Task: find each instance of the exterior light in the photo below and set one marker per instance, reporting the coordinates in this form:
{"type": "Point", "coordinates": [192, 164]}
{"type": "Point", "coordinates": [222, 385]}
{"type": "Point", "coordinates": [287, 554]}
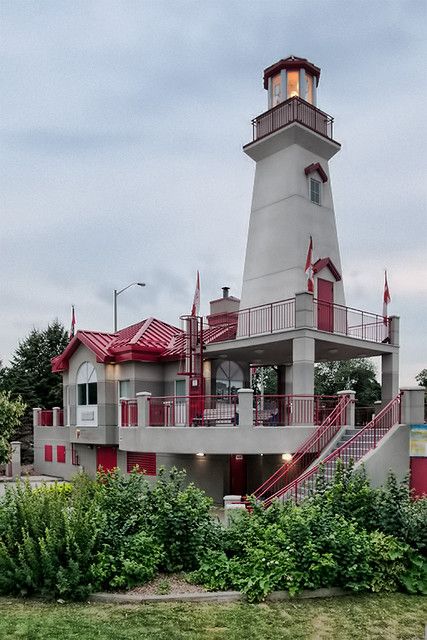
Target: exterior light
{"type": "Point", "coordinates": [200, 455]}
{"type": "Point", "coordinates": [287, 457]}
{"type": "Point", "coordinates": [116, 295]}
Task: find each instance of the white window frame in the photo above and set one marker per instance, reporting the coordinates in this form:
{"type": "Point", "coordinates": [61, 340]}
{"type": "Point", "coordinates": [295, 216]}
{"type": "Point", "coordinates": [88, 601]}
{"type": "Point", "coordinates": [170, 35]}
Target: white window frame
{"type": "Point", "coordinates": [87, 414]}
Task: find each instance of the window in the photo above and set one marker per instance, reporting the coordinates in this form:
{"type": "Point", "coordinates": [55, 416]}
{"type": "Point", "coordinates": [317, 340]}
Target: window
{"type": "Point", "coordinates": [87, 388]}
{"type": "Point", "coordinates": [124, 389]}
{"type": "Point", "coordinates": [293, 84]}
{"type": "Point", "coordinates": [276, 90]}
{"type": "Point", "coordinates": [309, 88]}
{"type": "Point", "coordinates": [315, 191]}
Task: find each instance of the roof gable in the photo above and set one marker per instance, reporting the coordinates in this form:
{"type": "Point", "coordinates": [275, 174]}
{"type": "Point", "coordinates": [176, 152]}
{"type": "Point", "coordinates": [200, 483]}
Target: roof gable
{"type": "Point", "coordinates": [322, 263]}
{"type": "Point", "coordinates": [316, 166]}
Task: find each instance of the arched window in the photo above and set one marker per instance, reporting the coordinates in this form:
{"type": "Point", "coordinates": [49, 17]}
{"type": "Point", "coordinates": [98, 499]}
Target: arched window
{"type": "Point", "coordinates": [87, 390]}
{"type": "Point", "coordinates": [229, 378]}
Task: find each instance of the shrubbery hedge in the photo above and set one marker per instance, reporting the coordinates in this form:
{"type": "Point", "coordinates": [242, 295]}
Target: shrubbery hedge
{"type": "Point", "coordinates": [116, 532]}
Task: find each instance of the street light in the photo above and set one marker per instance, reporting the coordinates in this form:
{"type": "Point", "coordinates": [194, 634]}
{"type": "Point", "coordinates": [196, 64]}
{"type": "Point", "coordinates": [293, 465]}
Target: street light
{"type": "Point", "coordinates": [117, 293]}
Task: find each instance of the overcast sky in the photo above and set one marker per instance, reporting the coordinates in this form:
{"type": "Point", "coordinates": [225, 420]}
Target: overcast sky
{"type": "Point", "coordinates": [122, 125]}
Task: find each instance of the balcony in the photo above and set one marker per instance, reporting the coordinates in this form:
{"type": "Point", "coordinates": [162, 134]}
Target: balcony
{"type": "Point", "coordinates": [293, 110]}
{"type": "Point", "coordinates": [280, 316]}
{"type": "Point", "coordinates": [48, 417]}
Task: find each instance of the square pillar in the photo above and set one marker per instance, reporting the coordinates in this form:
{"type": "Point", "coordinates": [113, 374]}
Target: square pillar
{"type": "Point", "coordinates": [303, 366]}
{"type": "Point", "coordinates": [412, 405]}
{"type": "Point", "coordinates": [142, 400]}
{"type": "Point", "coordinates": [350, 417]}
{"type": "Point", "coordinates": [246, 407]}
{"type": "Point", "coordinates": [304, 310]}
{"type": "Point", "coordinates": [389, 377]}
{"type": "Point", "coordinates": [36, 416]}
{"type": "Point", "coordinates": [394, 328]}
{"type": "Point", "coordinates": [56, 421]}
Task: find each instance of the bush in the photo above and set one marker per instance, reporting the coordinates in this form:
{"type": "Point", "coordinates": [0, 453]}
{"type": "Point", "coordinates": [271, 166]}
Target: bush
{"type": "Point", "coordinates": [47, 540]}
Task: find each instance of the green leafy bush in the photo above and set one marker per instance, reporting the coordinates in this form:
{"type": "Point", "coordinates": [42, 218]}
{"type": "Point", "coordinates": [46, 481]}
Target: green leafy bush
{"type": "Point", "coordinates": [47, 540]}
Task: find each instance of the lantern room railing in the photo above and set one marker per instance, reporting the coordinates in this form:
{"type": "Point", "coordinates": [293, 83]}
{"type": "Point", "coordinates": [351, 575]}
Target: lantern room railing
{"type": "Point", "coordinates": [293, 110]}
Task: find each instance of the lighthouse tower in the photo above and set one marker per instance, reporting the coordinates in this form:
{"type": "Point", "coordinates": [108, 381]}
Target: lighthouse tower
{"type": "Point", "coordinates": [292, 196]}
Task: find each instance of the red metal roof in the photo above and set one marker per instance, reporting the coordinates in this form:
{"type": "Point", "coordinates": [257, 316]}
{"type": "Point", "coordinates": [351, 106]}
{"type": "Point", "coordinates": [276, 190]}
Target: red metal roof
{"type": "Point", "coordinates": [148, 340]}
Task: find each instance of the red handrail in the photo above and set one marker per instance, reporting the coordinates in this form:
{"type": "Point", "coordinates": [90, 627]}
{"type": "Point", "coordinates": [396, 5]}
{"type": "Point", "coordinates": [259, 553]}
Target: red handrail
{"type": "Point", "coordinates": [311, 447]}
{"type": "Point", "coordinates": [354, 449]}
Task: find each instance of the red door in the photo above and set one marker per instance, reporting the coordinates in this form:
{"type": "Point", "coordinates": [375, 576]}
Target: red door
{"type": "Point", "coordinates": [237, 475]}
{"type": "Point", "coordinates": [419, 476]}
{"type": "Point", "coordinates": [325, 309]}
{"type": "Point", "coordinates": [106, 457]}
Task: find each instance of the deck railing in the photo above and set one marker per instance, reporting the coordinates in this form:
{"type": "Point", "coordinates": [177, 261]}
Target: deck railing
{"type": "Point", "coordinates": [336, 318]}
{"type": "Point", "coordinates": [128, 412]}
{"type": "Point", "coordinates": [45, 418]}
{"type": "Point", "coordinates": [284, 410]}
{"type": "Point", "coordinates": [293, 110]}
{"type": "Point", "coordinates": [194, 411]}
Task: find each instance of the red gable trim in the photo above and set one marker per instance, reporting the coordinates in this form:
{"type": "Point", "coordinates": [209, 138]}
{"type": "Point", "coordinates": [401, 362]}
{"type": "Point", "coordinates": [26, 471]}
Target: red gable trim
{"type": "Point", "coordinates": [327, 262]}
{"type": "Point", "coordinates": [315, 166]}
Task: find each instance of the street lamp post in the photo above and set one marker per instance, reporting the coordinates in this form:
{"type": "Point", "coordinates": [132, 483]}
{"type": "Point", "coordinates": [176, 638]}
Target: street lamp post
{"type": "Point", "coordinates": [115, 296]}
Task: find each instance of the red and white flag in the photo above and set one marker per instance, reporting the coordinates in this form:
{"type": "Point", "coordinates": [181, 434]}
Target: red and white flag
{"type": "Point", "coordinates": [386, 297]}
{"type": "Point", "coordinates": [309, 267]}
{"type": "Point", "coordinates": [196, 301]}
{"type": "Point", "coordinates": [73, 322]}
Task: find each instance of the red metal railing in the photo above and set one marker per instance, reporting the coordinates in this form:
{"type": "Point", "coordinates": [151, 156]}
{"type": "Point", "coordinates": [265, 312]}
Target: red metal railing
{"type": "Point", "coordinates": [45, 418]}
{"type": "Point", "coordinates": [354, 449]}
{"type": "Point", "coordinates": [255, 321]}
{"type": "Point", "coordinates": [284, 410]}
{"type": "Point", "coordinates": [310, 449]}
{"type": "Point", "coordinates": [347, 321]}
{"type": "Point", "coordinates": [293, 110]}
{"type": "Point", "coordinates": [128, 413]}
{"type": "Point", "coordinates": [195, 411]}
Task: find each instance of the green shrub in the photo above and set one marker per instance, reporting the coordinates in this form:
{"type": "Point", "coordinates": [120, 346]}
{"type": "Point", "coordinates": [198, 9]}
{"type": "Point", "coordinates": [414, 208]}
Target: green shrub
{"type": "Point", "coordinates": [47, 540]}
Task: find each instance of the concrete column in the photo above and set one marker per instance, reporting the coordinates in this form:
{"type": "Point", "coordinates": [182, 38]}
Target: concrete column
{"type": "Point", "coordinates": [390, 377]}
{"type": "Point", "coordinates": [394, 329]}
{"type": "Point", "coordinates": [143, 408]}
{"type": "Point", "coordinates": [303, 366]}
{"type": "Point", "coordinates": [36, 416]}
{"type": "Point", "coordinates": [246, 410]}
{"type": "Point", "coordinates": [15, 460]}
{"type": "Point", "coordinates": [377, 407]}
{"type": "Point", "coordinates": [289, 378]}
{"type": "Point", "coordinates": [304, 310]}
{"type": "Point", "coordinates": [350, 419]}
{"type": "Point", "coordinates": [412, 405]}
{"type": "Point", "coordinates": [55, 416]}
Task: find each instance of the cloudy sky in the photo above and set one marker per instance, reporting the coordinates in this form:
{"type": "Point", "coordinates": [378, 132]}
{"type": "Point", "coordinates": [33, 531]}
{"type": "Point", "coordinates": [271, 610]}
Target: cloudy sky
{"type": "Point", "coordinates": [122, 125]}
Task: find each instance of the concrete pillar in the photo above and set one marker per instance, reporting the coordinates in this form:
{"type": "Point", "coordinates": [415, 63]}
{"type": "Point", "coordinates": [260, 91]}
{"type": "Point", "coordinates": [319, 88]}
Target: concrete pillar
{"type": "Point", "coordinates": [36, 416]}
{"type": "Point", "coordinates": [142, 399]}
{"type": "Point", "coordinates": [289, 379]}
{"type": "Point", "coordinates": [303, 366]}
{"type": "Point", "coordinates": [390, 377]}
{"type": "Point", "coordinates": [207, 376]}
{"type": "Point", "coordinates": [350, 419]}
{"type": "Point", "coordinates": [304, 310]}
{"type": "Point", "coordinates": [55, 417]}
{"type": "Point", "coordinates": [377, 407]}
{"type": "Point", "coordinates": [246, 407]}
{"type": "Point", "coordinates": [14, 466]}
{"type": "Point", "coordinates": [394, 329]}
{"type": "Point", "coordinates": [412, 405]}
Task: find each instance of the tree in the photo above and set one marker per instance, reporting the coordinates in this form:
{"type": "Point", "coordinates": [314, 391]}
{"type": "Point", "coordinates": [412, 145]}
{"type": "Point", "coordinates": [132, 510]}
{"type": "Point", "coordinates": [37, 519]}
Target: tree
{"type": "Point", "coordinates": [421, 378]}
{"type": "Point", "coordinates": [11, 412]}
{"type": "Point", "coordinates": [357, 374]}
{"type": "Point", "coordinates": [265, 378]}
{"type": "Point", "coordinates": [29, 374]}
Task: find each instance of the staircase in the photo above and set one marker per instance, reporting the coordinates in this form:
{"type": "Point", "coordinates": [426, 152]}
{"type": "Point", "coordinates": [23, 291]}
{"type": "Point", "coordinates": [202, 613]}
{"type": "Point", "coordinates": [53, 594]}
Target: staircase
{"type": "Point", "coordinates": [353, 445]}
{"type": "Point", "coordinates": [310, 449]}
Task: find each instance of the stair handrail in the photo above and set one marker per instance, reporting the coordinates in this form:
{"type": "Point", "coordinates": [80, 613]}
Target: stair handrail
{"type": "Point", "coordinates": [388, 409]}
{"type": "Point", "coordinates": [330, 421]}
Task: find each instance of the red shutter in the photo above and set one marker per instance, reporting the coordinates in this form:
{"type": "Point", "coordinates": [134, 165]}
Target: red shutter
{"type": "Point", "coordinates": [145, 461]}
{"type": "Point", "coordinates": [48, 457]}
{"type": "Point", "coordinates": [60, 453]}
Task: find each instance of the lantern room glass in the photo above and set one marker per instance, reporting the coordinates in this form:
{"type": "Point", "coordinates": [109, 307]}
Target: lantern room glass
{"type": "Point", "coordinates": [293, 83]}
{"type": "Point", "coordinates": [309, 88]}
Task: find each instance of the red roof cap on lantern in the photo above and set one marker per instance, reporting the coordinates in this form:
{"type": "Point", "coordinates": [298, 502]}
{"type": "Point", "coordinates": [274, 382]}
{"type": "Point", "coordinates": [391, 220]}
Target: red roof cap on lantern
{"type": "Point", "coordinates": [292, 62]}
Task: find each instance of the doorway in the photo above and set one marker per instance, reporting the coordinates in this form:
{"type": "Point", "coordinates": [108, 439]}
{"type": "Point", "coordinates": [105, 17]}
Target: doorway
{"type": "Point", "coordinates": [238, 482]}
{"type": "Point", "coordinates": [325, 305]}
{"type": "Point", "coordinates": [106, 457]}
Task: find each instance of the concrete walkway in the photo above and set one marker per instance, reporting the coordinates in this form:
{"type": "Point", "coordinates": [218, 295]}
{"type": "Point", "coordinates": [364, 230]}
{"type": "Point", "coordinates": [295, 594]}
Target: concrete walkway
{"type": "Point", "coordinates": [35, 481]}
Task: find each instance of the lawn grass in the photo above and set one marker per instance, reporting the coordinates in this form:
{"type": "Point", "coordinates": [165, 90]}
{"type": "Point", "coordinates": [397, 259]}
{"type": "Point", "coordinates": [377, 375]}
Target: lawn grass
{"type": "Point", "coordinates": [365, 617]}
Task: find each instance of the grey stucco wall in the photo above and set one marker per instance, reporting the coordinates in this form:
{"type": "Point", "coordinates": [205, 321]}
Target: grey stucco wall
{"type": "Point", "coordinates": [392, 454]}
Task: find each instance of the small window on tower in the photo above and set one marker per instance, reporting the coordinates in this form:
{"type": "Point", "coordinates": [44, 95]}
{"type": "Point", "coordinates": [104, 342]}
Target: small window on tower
{"type": "Point", "coordinates": [315, 191]}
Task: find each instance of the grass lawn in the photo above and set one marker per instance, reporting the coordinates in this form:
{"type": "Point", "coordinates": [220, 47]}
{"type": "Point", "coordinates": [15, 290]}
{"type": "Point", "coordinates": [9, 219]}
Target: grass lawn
{"type": "Point", "coordinates": [382, 617]}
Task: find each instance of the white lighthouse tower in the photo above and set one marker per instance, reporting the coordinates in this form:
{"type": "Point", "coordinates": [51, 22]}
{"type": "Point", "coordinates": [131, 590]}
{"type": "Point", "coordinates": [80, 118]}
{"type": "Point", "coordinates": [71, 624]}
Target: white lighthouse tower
{"type": "Point", "coordinates": [292, 197]}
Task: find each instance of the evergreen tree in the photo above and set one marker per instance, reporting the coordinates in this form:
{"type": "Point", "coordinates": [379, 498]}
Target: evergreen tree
{"type": "Point", "coordinates": [357, 374]}
{"type": "Point", "coordinates": [421, 378]}
{"type": "Point", "coordinates": [29, 374]}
